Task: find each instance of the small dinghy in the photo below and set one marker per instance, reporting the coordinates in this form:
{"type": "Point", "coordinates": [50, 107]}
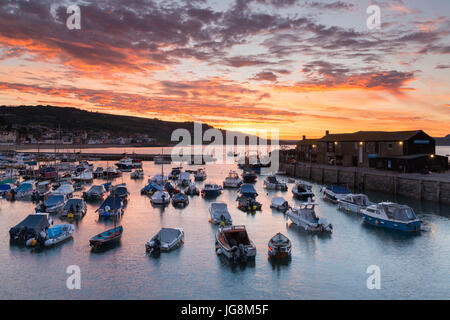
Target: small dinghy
{"type": "Point", "coordinates": [192, 190]}
{"type": "Point", "coordinates": [106, 238]}
{"type": "Point", "coordinates": [137, 174]}
{"type": "Point", "coordinates": [305, 216]}
{"type": "Point", "coordinates": [234, 243]}
{"type": "Point", "coordinates": [272, 183]}
{"type": "Point", "coordinates": [180, 200]}
{"type": "Point", "coordinates": [165, 240]}
{"type": "Point", "coordinates": [59, 233]}
{"type": "Point", "coordinates": [160, 198]}
{"type": "Point", "coordinates": [219, 214]}
{"type": "Point", "coordinates": [279, 247]}
{"type": "Point", "coordinates": [280, 204]}
{"type": "Point", "coordinates": [232, 181]}
{"type": "Point", "coordinates": [302, 191]}
{"type": "Point", "coordinates": [248, 204]}
{"type": "Point", "coordinates": [200, 175]}
{"type": "Point", "coordinates": [354, 203]}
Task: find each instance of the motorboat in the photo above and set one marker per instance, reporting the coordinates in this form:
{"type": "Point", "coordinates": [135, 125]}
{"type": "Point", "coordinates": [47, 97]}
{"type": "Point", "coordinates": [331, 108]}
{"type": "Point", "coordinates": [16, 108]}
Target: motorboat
{"type": "Point", "coordinates": [53, 204]}
{"type": "Point", "coordinates": [180, 200]}
{"type": "Point", "coordinates": [232, 180]}
{"type": "Point", "coordinates": [128, 164]}
{"type": "Point", "coordinates": [302, 191]}
{"type": "Point", "coordinates": [74, 208]}
{"type": "Point", "coordinates": [272, 183]}
{"type": "Point", "coordinates": [34, 226]}
{"type": "Point", "coordinates": [57, 234]}
{"type": "Point", "coordinates": [160, 198]}
{"type": "Point", "coordinates": [184, 179]}
{"type": "Point", "coordinates": [173, 175]}
{"type": "Point", "coordinates": [137, 174]}
{"type": "Point", "coordinates": [354, 202]}
{"type": "Point", "coordinates": [249, 176]}
{"type": "Point", "coordinates": [165, 240]}
{"type": "Point", "coordinates": [95, 193]}
{"type": "Point", "coordinates": [24, 191]}
{"type": "Point", "coordinates": [111, 173]}
{"type": "Point", "coordinates": [248, 190]}
{"type": "Point", "coordinates": [334, 192]}
{"type": "Point", "coordinates": [393, 216]}
{"type": "Point", "coordinates": [170, 188]}
{"type": "Point", "coordinates": [111, 207]}
{"type": "Point", "coordinates": [109, 237]}
{"type": "Point", "coordinates": [85, 176]}
{"type": "Point", "coordinates": [107, 186]}
{"type": "Point", "coordinates": [280, 204]}
{"type": "Point", "coordinates": [219, 214]}
{"type": "Point", "coordinates": [98, 173]}
{"type": "Point", "coordinates": [279, 247]}
{"type": "Point", "coordinates": [200, 175]}
{"type": "Point", "coordinates": [65, 189]}
{"type": "Point", "coordinates": [48, 173]}
{"type": "Point", "coordinates": [120, 191]}
{"type": "Point", "coordinates": [234, 243]}
{"type": "Point", "coordinates": [248, 204]}
{"type": "Point", "coordinates": [211, 190]}
{"type": "Point", "coordinates": [192, 190]}
{"type": "Point", "coordinates": [42, 190]}
{"type": "Point", "coordinates": [78, 186]}
{"type": "Point", "coordinates": [5, 188]}
{"type": "Point", "coordinates": [151, 188]}
{"type": "Point", "coordinates": [158, 178]}
{"type": "Point", "coordinates": [306, 217]}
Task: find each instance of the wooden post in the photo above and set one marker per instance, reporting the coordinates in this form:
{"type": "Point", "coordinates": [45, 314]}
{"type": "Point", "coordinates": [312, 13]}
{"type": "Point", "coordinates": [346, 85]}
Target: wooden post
{"type": "Point", "coordinates": [438, 191]}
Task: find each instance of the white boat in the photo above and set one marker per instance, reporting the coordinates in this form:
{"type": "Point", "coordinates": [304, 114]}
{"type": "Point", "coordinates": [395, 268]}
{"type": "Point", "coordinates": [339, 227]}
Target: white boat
{"type": "Point", "coordinates": [59, 233]}
{"type": "Point", "coordinates": [95, 193]}
{"type": "Point", "coordinates": [158, 179]}
{"type": "Point", "coordinates": [111, 172]}
{"type": "Point", "coordinates": [98, 173]}
{"type": "Point", "coordinates": [184, 179]}
{"type": "Point", "coordinates": [128, 164]}
{"type": "Point", "coordinates": [354, 203]}
{"type": "Point", "coordinates": [74, 208]}
{"type": "Point", "coordinates": [137, 174]}
{"type": "Point", "coordinates": [334, 192]}
{"type": "Point", "coordinates": [160, 198]}
{"type": "Point", "coordinates": [53, 204]}
{"type": "Point", "coordinates": [66, 189]}
{"type": "Point", "coordinates": [165, 240]}
{"type": "Point", "coordinates": [234, 243]}
{"type": "Point", "coordinates": [392, 216]}
{"type": "Point", "coordinates": [279, 247]}
{"type": "Point", "coordinates": [232, 181]}
{"type": "Point", "coordinates": [272, 183]}
{"type": "Point", "coordinates": [219, 214]}
{"type": "Point", "coordinates": [42, 189]}
{"type": "Point", "coordinates": [200, 175]}
{"type": "Point", "coordinates": [280, 204]}
{"type": "Point", "coordinates": [302, 191]}
{"type": "Point", "coordinates": [305, 216]}
{"type": "Point", "coordinates": [24, 190]}
{"type": "Point", "coordinates": [85, 176]}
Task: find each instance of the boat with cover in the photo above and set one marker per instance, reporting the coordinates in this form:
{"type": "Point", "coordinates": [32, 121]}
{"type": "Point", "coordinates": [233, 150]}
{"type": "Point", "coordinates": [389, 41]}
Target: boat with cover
{"type": "Point", "coordinates": [95, 193]}
{"type": "Point", "coordinates": [165, 240]}
{"type": "Point", "coordinates": [173, 175]}
{"type": "Point", "coordinates": [65, 189]}
{"type": "Point", "coordinates": [211, 190]}
{"type": "Point", "coordinates": [158, 178]}
{"type": "Point", "coordinates": [354, 202]}
{"type": "Point", "coordinates": [234, 243]}
{"type": "Point", "coordinates": [111, 173]}
{"type": "Point", "coordinates": [57, 234]}
{"type": "Point", "coordinates": [200, 175]}
{"type": "Point", "coordinates": [171, 189]}
{"type": "Point", "coordinates": [280, 204]}
{"type": "Point", "coordinates": [272, 183]}
{"type": "Point", "coordinates": [151, 188]}
{"type": "Point", "coordinates": [192, 190]}
{"type": "Point", "coordinates": [24, 190]}
{"type": "Point", "coordinates": [248, 190]}
{"type": "Point", "coordinates": [184, 179]}
{"type": "Point", "coordinates": [85, 176]}
{"type": "Point", "coordinates": [279, 247]}
{"type": "Point", "coordinates": [392, 216]}
{"type": "Point", "coordinates": [74, 208]}
{"type": "Point", "coordinates": [249, 176]}
{"type": "Point", "coordinates": [306, 217]}
{"type": "Point", "coordinates": [302, 191]}
{"type": "Point", "coordinates": [53, 204]}
{"type": "Point", "coordinates": [219, 214]}
{"type": "Point", "coordinates": [334, 192]}
{"type": "Point", "coordinates": [248, 204]}
{"type": "Point", "coordinates": [98, 173]}
{"type": "Point", "coordinates": [160, 198]}
{"type": "Point", "coordinates": [137, 174]}
{"type": "Point", "coordinates": [232, 180]}
{"type": "Point", "coordinates": [33, 226]}
{"type": "Point", "coordinates": [180, 200]}
{"type": "Point", "coordinates": [120, 191]}
{"type": "Point", "coordinates": [111, 207]}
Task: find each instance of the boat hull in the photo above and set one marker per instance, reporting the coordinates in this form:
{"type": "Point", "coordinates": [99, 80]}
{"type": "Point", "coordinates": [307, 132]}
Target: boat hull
{"type": "Point", "coordinates": [349, 207]}
{"type": "Point", "coordinates": [106, 238]}
{"type": "Point", "coordinates": [413, 226]}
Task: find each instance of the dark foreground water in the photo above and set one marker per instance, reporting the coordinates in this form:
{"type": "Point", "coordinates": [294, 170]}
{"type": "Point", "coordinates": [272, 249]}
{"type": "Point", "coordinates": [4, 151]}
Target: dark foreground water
{"type": "Point", "coordinates": [322, 267]}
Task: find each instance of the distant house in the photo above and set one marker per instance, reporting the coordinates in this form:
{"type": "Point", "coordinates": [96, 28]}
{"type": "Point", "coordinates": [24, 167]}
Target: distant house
{"type": "Point", "coordinates": [307, 150]}
{"type": "Point", "coordinates": [8, 137]}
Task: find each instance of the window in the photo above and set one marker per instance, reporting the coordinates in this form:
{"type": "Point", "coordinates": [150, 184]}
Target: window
{"type": "Point", "coordinates": [390, 146]}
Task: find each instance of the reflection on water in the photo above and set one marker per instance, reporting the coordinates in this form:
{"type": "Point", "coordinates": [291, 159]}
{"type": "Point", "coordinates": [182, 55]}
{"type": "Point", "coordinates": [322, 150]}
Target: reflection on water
{"type": "Point", "coordinates": [327, 266]}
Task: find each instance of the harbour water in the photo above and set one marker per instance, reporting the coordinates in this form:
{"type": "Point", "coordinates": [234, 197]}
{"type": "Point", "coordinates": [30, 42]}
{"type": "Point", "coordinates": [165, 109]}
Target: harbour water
{"type": "Point", "coordinates": [322, 267]}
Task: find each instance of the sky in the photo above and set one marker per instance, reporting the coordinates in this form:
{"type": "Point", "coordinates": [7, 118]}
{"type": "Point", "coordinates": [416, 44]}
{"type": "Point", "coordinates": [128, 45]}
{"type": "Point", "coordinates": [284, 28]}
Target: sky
{"type": "Point", "coordinates": [299, 67]}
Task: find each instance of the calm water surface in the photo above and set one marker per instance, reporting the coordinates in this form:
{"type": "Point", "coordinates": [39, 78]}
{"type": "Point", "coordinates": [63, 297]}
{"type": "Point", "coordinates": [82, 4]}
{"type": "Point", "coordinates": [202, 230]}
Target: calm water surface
{"type": "Point", "coordinates": [322, 267]}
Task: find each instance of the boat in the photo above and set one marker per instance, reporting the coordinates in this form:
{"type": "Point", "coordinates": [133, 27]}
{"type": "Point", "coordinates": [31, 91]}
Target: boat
{"type": "Point", "coordinates": [354, 202]}
{"type": "Point", "coordinates": [98, 173]}
{"type": "Point", "coordinates": [57, 234]}
{"type": "Point", "coordinates": [192, 190]}
{"type": "Point", "coordinates": [165, 240]}
{"type": "Point", "coordinates": [180, 200]}
{"type": "Point", "coordinates": [393, 216]}
{"type": "Point", "coordinates": [334, 192]}
{"type": "Point", "coordinates": [200, 175]}
{"type": "Point", "coordinates": [211, 190]}
{"type": "Point", "coordinates": [65, 189]}
{"type": "Point", "coordinates": [137, 174]}
{"type": "Point", "coordinates": [173, 175]}
{"type": "Point", "coordinates": [219, 214]}
{"type": "Point", "coordinates": [53, 204]}
{"type": "Point", "coordinates": [279, 247]}
{"type": "Point", "coordinates": [95, 193]}
{"type": "Point", "coordinates": [5, 188]}
{"type": "Point", "coordinates": [248, 204]}
{"type": "Point", "coordinates": [112, 206]}
{"type": "Point", "coordinates": [106, 238]}
{"type": "Point", "coordinates": [170, 188]}
{"type": "Point", "coordinates": [42, 190]}
{"type": "Point", "coordinates": [85, 176]}
{"type": "Point", "coordinates": [184, 179]}
{"type": "Point", "coordinates": [107, 186]}
{"type": "Point", "coordinates": [280, 204]}
{"type": "Point", "coordinates": [306, 217]}
{"type": "Point", "coordinates": [302, 191]}
{"type": "Point", "coordinates": [272, 183]}
{"type": "Point", "coordinates": [120, 191]}
{"type": "Point", "coordinates": [232, 180]}
{"type": "Point", "coordinates": [158, 178]}
{"type": "Point", "coordinates": [151, 188]}
{"type": "Point", "coordinates": [234, 243]}
{"type": "Point", "coordinates": [74, 208]}
{"type": "Point", "coordinates": [48, 173]}
{"type": "Point", "coordinates": [128, 164]}
{"type": "Point", "coordinates": [248, 190]}
{"type": "Point", "coordinates": [78, 186]}
{"type": "Point", "coordinates": [34, 226]}
{"type": "Point", "coordinates": [249, 176]}
{"type": "Point", "coordinates": [111, 173]}
{"type": "Point", "coordinates": [23, 191]}
{"type": "Point", "coordinates": [160, 198]}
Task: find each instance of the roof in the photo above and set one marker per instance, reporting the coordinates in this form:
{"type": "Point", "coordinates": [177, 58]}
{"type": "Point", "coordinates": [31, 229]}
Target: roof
{"type": "Point", "coordinates": [34, 221]}
{"type": "Point", "coordinates": [372, 136]}
{"type": "Point", "coordinates": [307, 142]}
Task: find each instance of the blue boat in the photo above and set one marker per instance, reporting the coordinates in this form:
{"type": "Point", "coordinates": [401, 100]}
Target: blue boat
{"type": "Point", "coordinates": [107, 186]}
{"type": "Point", "coordinates": [392, 216]}
{"type": "Point", "coordinates": [334, 193]}
{"type": "Point", "coordinates": [211, 190]}
{"type": "Point", "coordinates": [112, 206]}
{"type": "Point", "coordinates": [4, 189]}
{"type": "Point", "coordinates": [248, 190]}
{"type": "Point", "coordinates": [108, 237]}
{"type": "Point", "coordinates": [170, 188]}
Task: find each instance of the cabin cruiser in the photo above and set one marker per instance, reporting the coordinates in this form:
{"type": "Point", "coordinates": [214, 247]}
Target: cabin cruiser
{"type": "Point", "coordinates": [248, 190]}
{"type": "Point", "coordinates": [219, 214]}
{"type": "Point", "coordinates": [180, 200]}
{"type": "Point", "coordinates": [334, 192]}
{"type": "Point", "coordinates": [249, 176]}
{"type": "Point", "coordinates": [65, 189]}
{"type": "Point", "coordinates": [305, 216]}
{"type": "Point", "coordinates": [232, 181]}
{"type": "Point", "coordinates": [95, 193]}
{"type": "Point", "coordinates": [173, 175]}
{"type": "Point", "coordinates": [272, 183]}
{"type": "Point", "coordinates": [200, 175]}
{"type": "Point", "coordinates": [42, 190]}
{"type": "Point", "coordinates": [137, 174]}
{"type": "Point", "coordinates": [128, 164]}
{"type": "Point", "coordinates": [234, 243]}
{"type": "Point", "coordinates": [112, 206]}
{"type": "Point", "coordinates": [53, 204]}
{"type": "Point", "coordinates": [111, 172]}
{"type": "Point", "coordinates": [280, 204]}
{"type": "Point", "coordinates": [211, 190]}
{"type": "Point", "coordinates": [165, 240]}
{"type": "Point", "coordinates": [393, 216]}
{"type": "Point", "coordinates": [98, 173]}
{"type": "Point", "coordinates": [160, 198]}
{"type": "Point", "coordinates": [354, 203]}
{"type": "Point", "coordinates": [74, 208]}
{"type": "Point", "coordinates": [158, 178]}
{"type": "Point", "coordinates": [302, 191]}
{"type": "Point", "coordinates": [184, 179]}
{"type": "Point", "coordinates": [85, 176]}
{"type": "Point", "coordinates": [248, 204]}
{"type": "Point", "coordinates": [279, 247]}
{"type": "Point", "coordinates": [34, 226]}
{"type": "Point", "coordinates": [192, 190]}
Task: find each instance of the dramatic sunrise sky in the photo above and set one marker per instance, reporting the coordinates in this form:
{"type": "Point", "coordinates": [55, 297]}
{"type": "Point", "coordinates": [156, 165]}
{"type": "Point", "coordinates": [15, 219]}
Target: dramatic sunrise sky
{"type": "Point", "coordinates": [298, 66]}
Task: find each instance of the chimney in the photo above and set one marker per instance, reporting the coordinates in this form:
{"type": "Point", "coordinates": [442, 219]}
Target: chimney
{"type": "Point", "coordinates": [304, 137]}
{"type": "Point", "coordinates": [327, 132]}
